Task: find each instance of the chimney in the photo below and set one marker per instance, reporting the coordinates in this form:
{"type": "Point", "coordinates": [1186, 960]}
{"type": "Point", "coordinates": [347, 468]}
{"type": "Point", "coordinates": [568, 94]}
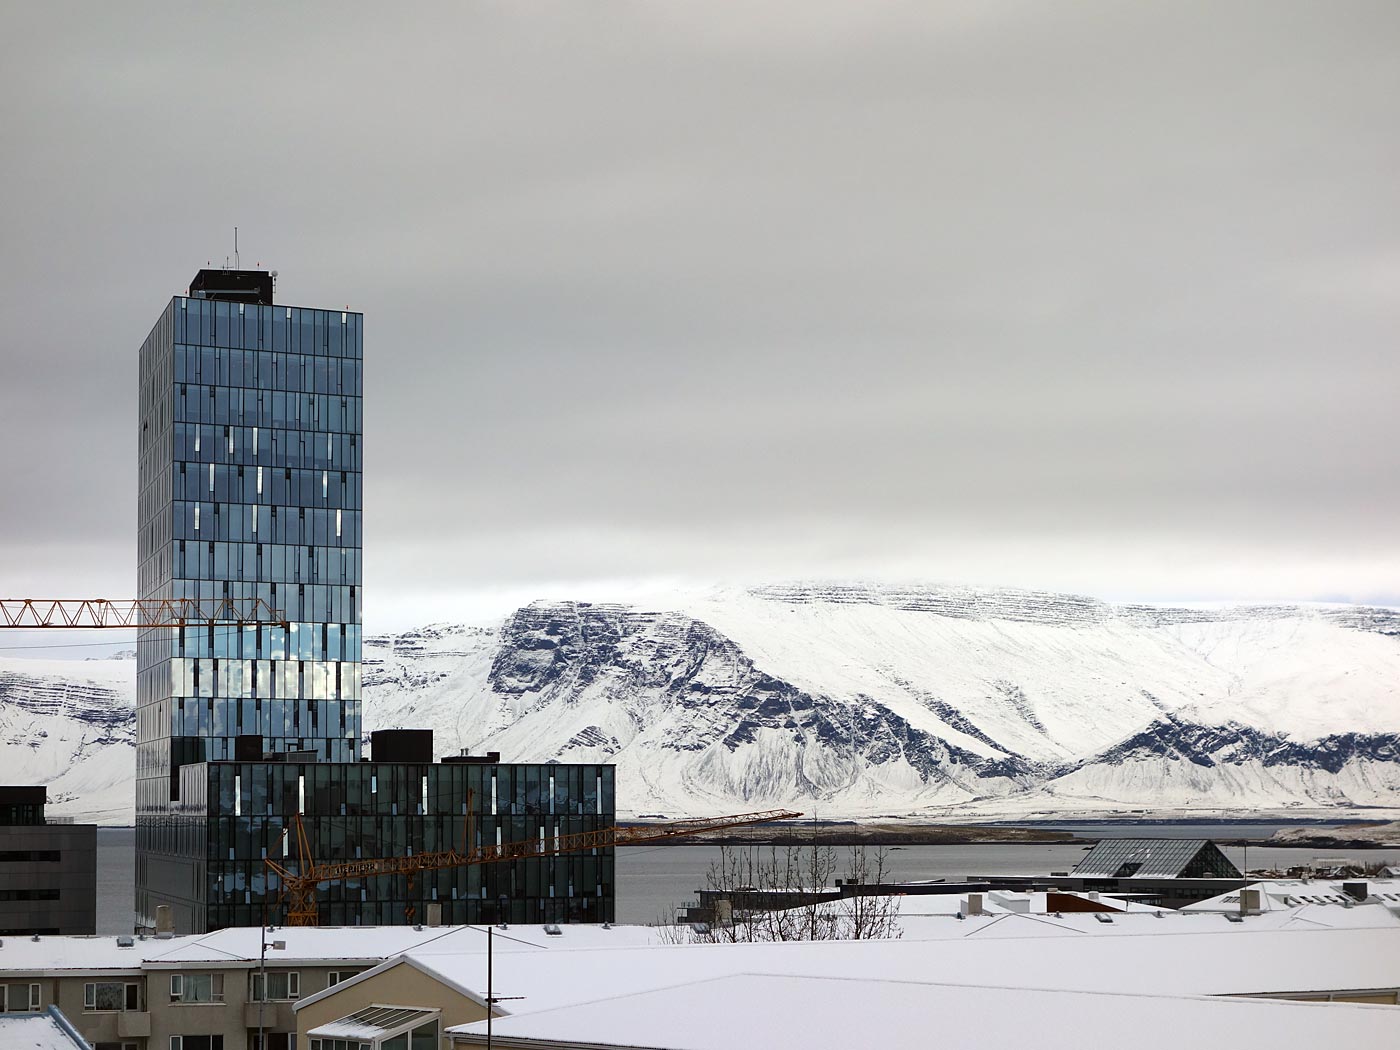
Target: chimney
{"type": "Point", "coordinates": [972, 905]}
{"type": "Point", "coordinates": [165, 922]}
{"type": "Point", "coordinates": [435, 913]}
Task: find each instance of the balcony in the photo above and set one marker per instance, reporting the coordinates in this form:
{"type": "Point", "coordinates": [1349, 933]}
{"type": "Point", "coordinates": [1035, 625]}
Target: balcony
{"type": "Point", "coordinates": [276, 1016]}
{"type": "Point", "coordinates": [133, 1025]}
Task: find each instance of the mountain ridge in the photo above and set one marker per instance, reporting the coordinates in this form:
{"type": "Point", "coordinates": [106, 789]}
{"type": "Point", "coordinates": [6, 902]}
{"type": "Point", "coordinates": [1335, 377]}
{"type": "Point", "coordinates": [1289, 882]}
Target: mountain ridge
{"type": "Point", "coordinates": [853, 700]}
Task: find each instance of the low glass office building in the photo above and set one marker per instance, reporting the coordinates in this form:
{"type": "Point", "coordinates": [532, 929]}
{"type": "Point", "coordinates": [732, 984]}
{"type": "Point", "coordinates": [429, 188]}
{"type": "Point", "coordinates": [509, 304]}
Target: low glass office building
{"type": "Point", "coordinates": [238, 810]}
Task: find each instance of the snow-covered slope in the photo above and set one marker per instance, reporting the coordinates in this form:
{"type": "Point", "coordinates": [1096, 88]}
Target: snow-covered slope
{"type": "Point", "coordinates": [70, 724]}
{"type": "Point", "coordinates": [847, 700]}
{"type": "Point", "coordinates": [858, 700]}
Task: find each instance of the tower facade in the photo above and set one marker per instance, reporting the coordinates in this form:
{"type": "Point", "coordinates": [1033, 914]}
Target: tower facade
{"type": "Point", "coordinates": [250, 490]}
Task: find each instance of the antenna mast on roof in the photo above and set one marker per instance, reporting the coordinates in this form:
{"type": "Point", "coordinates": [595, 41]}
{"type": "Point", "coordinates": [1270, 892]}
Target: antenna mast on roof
{"type": "Point", "coordinates": [235, 248]}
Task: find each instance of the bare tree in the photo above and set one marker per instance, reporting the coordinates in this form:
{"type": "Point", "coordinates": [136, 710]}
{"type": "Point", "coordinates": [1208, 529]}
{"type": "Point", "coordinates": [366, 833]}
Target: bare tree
{"type": "Point", "coordinates": [874, 915]}
{"type": "Point", "coordinates": [786, 895]}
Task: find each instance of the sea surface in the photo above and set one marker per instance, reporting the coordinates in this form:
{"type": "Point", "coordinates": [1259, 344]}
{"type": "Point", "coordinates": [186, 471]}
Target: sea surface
{"type": "Point", "coordinates": [653, 881]}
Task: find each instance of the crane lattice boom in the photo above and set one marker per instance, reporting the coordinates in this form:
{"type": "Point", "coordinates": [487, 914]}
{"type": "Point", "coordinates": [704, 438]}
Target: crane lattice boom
{"type": "Point", "coordinates": [300, 886]}
{"type": "Point", "coordinates": [138, 613]}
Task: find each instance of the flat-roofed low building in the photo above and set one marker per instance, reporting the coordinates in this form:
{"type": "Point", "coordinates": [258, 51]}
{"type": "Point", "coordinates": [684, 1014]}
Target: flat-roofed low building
{"type": "Point", "coordinates": [1272, 895]}
{"type": "Point", "coordinates": [48, 871]}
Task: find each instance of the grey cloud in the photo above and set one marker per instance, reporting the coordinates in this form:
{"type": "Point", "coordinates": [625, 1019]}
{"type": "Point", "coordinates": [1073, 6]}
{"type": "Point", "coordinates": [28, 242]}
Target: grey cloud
{"type": "Point", "coordinates": [689, 290]}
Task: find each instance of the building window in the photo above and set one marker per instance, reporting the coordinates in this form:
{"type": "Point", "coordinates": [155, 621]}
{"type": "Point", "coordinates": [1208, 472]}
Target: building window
{"type": "Point", "coordinates": [21, 998]}
{"type": "Point", "coordinates": [275, 1041]}
{"type": "Point", "coordinates": [336, 976]}
{"type": "Point", "coordinates": [196, 988]}
{"type": "Point", "coordinates": [280, 987]}
{"type": "Point", "coordinates": [196, 1042]}
{"type": "Point", "coordinates": [111, 996]}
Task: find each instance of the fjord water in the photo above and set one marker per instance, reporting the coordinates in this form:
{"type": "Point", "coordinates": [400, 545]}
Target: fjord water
{"type": "Point", "coordinates": [653, 880]}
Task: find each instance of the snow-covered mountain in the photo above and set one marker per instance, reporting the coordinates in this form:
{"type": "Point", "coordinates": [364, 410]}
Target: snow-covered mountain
{"type": "Point", "coordinates": [922, 701]}
{"type": "Point", "coordinates": [70, 724]}
{"type": "Point", "coordinates": [850, 701]}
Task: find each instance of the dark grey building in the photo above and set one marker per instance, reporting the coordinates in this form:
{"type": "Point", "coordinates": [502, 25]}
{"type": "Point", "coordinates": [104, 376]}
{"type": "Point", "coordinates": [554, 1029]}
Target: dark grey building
{"type": "Point", "coordinates": [48, 872]}
{"type": "Point", "coordinates": [250, 490]}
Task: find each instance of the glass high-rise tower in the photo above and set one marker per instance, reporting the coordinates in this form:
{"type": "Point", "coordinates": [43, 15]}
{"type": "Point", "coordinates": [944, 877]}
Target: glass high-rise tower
{"type": "Point", "coordinates": [250, 490]}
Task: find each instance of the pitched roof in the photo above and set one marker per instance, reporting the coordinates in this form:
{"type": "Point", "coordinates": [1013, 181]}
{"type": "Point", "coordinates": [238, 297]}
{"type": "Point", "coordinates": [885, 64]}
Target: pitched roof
{"type": "Point", "coordinates": [1151, 858]}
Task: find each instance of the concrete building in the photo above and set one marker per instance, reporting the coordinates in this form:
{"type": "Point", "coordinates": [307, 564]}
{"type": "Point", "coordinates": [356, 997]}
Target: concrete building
{"type": "Point", "coordinates": [208, 992]}
{"type": "Point", "coordinates": [48, 872]}
{"type": "Point", "coordinates": [250, 504]}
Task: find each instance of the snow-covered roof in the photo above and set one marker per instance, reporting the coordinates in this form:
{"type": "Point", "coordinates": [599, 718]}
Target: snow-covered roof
{"type": "Point", "coordinates": [34, 1031]}
{"type": "Point", "coordinates": [1015, 901]}
{"type": "Point", "coordinates": [1222, 958]}
{"type": "Point", "coordinates": [239, 946]}
{"type": "Point", "coordinates": [1286, 894]}
{"type": "Point", "coordinates": [843, 1012]}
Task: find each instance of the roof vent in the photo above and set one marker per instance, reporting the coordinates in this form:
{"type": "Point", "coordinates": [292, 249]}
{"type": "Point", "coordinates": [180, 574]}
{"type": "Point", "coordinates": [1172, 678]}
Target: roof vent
{"type": "Point", "coordinates": [1102, 917]}
{"type": "Point", "coordinates": [606, 926]}
{"type": "Point", "coordinates": [126, 942]}
{"type": "Point", "coordinates": [1356, 890]}
{"type": "Point", "coordinates": [35, 938]}
{"type": "Point", "coordinates": [553, 929]}
{"type": "Point", "coordinates": [1232, 917]}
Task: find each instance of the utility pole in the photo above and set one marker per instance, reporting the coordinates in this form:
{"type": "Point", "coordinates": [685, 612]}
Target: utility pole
{"type": "Point", "coordinates": [1245, 873]}
{"type": "Point", "coordinates": [491, 997]}
{"type": "Point", "coordinates": [262, 975]}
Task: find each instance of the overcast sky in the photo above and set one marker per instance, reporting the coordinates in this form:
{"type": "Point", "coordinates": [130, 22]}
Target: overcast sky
{"type": "Point", "coordinates": [1091, 297]}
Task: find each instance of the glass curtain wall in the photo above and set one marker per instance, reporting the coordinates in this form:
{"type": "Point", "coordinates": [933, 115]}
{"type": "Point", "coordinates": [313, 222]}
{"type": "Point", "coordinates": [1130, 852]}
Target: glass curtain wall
{"type": "Point", "coordinates": [250, 488]}
{"type": "Point", "coordinates": [373, 809]}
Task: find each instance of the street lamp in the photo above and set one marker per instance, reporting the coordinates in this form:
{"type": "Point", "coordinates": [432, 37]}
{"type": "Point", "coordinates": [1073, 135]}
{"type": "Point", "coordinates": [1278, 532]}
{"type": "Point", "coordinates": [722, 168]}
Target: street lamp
{"type": "Point", "coordinates": [264, 945]}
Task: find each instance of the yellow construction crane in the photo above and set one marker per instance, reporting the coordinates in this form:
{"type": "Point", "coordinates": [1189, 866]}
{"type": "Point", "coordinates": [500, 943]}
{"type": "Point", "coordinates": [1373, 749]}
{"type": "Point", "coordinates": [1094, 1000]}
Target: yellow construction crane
{"type": "Point", "coordinates": [140, 613]}
{"type": "Point", "coordinates": [299, 887]}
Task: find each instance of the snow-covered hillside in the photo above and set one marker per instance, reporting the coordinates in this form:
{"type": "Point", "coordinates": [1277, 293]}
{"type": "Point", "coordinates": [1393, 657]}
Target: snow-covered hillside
{"type": "Point", "coordinates": [947, 701]}
{"type": "Point", "coordinates": [850, 701]}
{"type": "Point", "coordinates": [70, 724]}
